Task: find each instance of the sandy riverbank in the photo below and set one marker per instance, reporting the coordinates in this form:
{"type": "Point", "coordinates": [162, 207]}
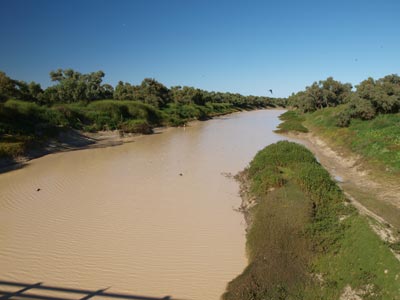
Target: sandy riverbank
{"type": "Point", "coordinates": [68, 140]}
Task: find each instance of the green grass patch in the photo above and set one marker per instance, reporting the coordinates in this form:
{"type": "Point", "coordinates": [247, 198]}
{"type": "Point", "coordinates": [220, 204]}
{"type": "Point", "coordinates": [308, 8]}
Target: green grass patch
{"type": "Point", "coordinates": [292, 122]}
{"type": "Point", "coordinates": [362, 261]}
{"type": "Point", "coordinates": [278, 250]}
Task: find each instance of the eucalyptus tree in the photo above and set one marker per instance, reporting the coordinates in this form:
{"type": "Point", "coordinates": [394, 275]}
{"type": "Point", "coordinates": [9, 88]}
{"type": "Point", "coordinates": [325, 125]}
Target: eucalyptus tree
{"type": "Point", "coordinates": [18, 89]}
{"type": "Point", "coordinates": [384, 93]}
{"type": "Point", "coordinates": [324, 93]}
{"type": "Point", "coordinates": [73, 86]}
{"type": "Point", "coordinates": [152, 92]}
{"type": "Point", "coordinates": [124, 91]}
{"type": "Point", "coordinates": [7, 87]}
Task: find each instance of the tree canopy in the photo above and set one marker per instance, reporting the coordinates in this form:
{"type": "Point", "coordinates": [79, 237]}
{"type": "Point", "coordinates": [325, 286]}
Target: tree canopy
{"type": "Point", "coordinates": [371, 97]}
{"type": "Point", "coordinates": [324, 93]}
{"type": "Point", "coordinates": [71, 86]}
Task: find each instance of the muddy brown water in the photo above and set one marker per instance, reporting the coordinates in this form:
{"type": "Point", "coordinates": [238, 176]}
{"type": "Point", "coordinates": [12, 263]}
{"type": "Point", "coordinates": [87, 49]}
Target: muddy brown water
{"type": "Point", "coordinates": [123, 217]}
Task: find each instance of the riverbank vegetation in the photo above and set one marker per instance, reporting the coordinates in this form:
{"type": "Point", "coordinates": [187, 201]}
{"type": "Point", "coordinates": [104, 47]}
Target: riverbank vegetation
{"type": "Point", "coordinates": [305, 241]}
{"type": "Point", "coordinates": [292, 121]}
{"type": "Point", "coordinates": [370, 98]}
{"type": "Point", "coordinates": [364, 121]}
{"type": "Point", "coordinates": [376, 140]}
{"type": "Point", "coordinates": [364, 127]}
{"type": "Point", "coordinates": [30, 114]}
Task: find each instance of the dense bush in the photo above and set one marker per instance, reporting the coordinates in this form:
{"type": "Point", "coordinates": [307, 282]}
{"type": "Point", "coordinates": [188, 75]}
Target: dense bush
{"type": "Point", "coordinates": [178, 114]}
{"type": "Point", "coordinates": [343, 118]}
{"type": "Point", "coordinates": [325, 93]}
{"type": "Point", "coordinates": [136, 126]}
{"type": "Point", "coordinates": [361, 108]}
{"type": "Point", "coordinates": [384, 93]}
{"type": "Point", "coordinates": [20, 117]}
{"type": "Point", "coordinates": [370, 98]}
{"type": "Point", "coordinates": [281, 154]}
{"type": "Point", "coordinates": [356, 108]}
{"type": "Point", "coordinates": [113, 114]}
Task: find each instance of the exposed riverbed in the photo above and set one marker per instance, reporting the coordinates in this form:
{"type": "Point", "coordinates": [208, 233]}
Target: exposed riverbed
{"type": "Point", "coordinates": [153, 217]}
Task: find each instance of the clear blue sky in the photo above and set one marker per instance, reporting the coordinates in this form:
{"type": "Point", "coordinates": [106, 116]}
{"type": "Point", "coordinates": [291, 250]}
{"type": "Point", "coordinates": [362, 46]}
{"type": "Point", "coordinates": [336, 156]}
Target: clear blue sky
{"type": "Point", "coordinates": [239, 46]}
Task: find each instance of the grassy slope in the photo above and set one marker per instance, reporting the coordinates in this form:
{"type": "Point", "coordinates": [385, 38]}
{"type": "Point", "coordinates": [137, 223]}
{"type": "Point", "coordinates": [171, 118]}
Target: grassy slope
{"type": "Point", "coordinates": [377, 140]}
{"type": "Point", "coordinates": [296, 236]}
{"type": "Point", "coordinates": [292, 122]}
{"type": "Point", "coordinates": [363, 261]}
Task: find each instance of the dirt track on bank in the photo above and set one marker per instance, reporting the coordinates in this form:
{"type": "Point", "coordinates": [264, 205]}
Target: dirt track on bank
{"type": "Point", "coordinates": [349, 171]}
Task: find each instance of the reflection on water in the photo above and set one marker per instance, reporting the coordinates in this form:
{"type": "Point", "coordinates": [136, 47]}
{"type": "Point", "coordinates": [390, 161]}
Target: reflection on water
{"type": "Point", "coordinates": [124, 216]}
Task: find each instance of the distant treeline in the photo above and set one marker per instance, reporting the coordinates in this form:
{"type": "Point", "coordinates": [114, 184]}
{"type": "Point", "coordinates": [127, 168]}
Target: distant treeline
{"type": "Point", "coordinates": [370, 97]}
{"type": "Point", "coordinates": [82, 101]}
{"type": "Point", "coordinates": [72, 86]}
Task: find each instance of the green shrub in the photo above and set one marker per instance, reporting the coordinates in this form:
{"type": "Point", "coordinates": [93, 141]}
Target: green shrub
{"type": "Point", "coordinates": [11, 149]}
{"type": "Point", "coordinates": [20, 117]}
{"type": "Point", "coordinates": [115, 114]}
{"type": "Point", "coordinates": [220, 108]}
{"type": "Point", "coordinates": [136, 126]}
{"type": "Point", "coordinates": [343, 118]}
{"type": "Point", "coordinates": [362, 109]}
{"type": "Point", "coordinates": [280, 154]}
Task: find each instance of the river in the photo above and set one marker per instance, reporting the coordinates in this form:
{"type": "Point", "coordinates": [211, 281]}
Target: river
{"type": "Point", "coordinates": [154, 217]}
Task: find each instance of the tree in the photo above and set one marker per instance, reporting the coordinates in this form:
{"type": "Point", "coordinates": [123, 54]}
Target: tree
{"type": "Point", "coordinates": [152, 92]}
{"type": "Point", "coordinates": [107, 91]}
{"type": "Point", "coordinates": [324, 93]}
{"type": "Point", "coordinates": [18, 89]}
{"type": "Point", "coordinates": [384, 93]}
{"type": "Point", "coordinates": [124, 91]}
{"type": "Point", "coordinates": [188, 95]}
{"type": "Point", "coordinates": [94, 89]}
{"type": "Point", "coordinates": [73, 86]}
{"type": "Point", "coordinates": [7, 87]}
{"type": "Point", "coordinates": [334, 92]}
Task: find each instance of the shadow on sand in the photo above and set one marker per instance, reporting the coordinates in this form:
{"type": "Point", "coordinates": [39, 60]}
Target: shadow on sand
{"type": "Point", "coordinates": [25, 291]}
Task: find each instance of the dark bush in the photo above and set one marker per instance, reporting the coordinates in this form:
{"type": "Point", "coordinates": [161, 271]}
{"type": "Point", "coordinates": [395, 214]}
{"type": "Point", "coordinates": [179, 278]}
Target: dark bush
{"type": "Point", "coordinates": [136, 126]}
{"type": "Point", "coordinates": [344, 118]}
{"type": "Point", "coordinates": [361, 108]}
